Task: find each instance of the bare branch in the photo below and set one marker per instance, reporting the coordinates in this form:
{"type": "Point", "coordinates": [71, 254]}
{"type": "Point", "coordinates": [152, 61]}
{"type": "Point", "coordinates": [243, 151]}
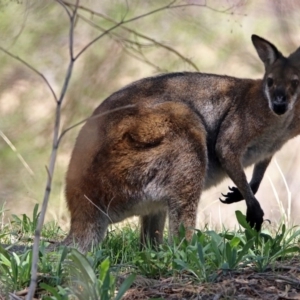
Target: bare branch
{"type": "Point", "coordinates": [227, 10]}
{"type": "Point", "coordinates": [105, 213]}
{"type": "Point", "coordinates": [168, 48]}
{"type": "Point", "coordinates": [96, 39]}
{"type": "Point", "coordinates": [144, 60]}
{"type": "Point", "coordinates": [50, 170]}
{"type": "Point", "coordinates": [32, 69]}
{"type": "Point", "coordinates": [71, 51]}
{"type": "Point", "coordinates": [121, 23]}
{"type": "Point", "coordinates": [65, 7]}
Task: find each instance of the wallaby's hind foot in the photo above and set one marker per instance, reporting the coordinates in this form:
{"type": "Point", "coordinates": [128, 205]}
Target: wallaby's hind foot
{"type": "Point", "coordinates": [83, 235]}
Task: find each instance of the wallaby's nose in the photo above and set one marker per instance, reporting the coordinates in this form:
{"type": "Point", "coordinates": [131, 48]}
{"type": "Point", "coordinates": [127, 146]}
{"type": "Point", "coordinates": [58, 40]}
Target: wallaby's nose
{"type": "Point", "coordinates": [280, 104]}
{"type": "Point", "coordinates": [279, 96]}
{"type": "Point", "coordinates": [280, 99]}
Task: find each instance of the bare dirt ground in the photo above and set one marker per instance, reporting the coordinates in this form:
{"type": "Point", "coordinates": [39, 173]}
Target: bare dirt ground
{"type": "Point", "coordinates": [280, 282]}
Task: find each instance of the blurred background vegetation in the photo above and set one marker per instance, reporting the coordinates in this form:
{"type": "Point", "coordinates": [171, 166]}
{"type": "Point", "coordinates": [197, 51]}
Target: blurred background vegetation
{"type": "Point", "coordinates": [209, 36]}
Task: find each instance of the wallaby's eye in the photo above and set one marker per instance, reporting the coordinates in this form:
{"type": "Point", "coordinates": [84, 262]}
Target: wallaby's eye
{"type": "Point", "coordinates": [295, 83]}
{"type": "Point", "coordinates": [270, 81]}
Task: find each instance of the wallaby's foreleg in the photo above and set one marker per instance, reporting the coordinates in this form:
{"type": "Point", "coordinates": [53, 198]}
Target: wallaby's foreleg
{"type": "Point", "coordinates": [234, 170]}
{"type": "Point", "coordinates": [254, 214]}
{"type": "Point", "coordinates": [152, 229]}
{"type": "Point", "coordinates": [258, 173]}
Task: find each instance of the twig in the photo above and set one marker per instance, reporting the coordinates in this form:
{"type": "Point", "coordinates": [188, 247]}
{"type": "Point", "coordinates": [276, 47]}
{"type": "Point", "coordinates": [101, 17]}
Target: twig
{"type": "Point", "coordinates": [168, 48]}
{"type": "Point", "coordinates": [143, 59]}
{"type": "Point", "coordinates": [96, 39]}
{"type": "Point", "coordinates": [32, 69]}
{"type": "Point", "coordinates": [123, 21]}
{"type": "Point", "coordinates": [106, 214]}
{"type": "Point", "coordinates": [14, 297]}
{"type": "Point", "coordinates": [117, 24]}
{"type": "Point", "coordinates": [35, 252]}
{"type": "Point", "coordinates": [268, 276]}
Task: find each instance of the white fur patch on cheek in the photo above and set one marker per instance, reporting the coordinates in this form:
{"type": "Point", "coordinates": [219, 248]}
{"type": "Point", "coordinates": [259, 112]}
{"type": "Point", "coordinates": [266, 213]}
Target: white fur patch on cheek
{"type": "Point", "coordinates": [266, 90]}
{"type": "Point", "coordinates": [292, 102]}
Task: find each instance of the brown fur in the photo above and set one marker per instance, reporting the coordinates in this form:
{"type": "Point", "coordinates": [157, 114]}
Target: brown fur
{"type": "Point", "coordinates": [183, 133]}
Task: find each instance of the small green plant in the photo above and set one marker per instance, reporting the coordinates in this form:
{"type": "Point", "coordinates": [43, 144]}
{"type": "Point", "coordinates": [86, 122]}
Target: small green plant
{"type": "Point", "coordinates": [86, 278]}
{"type": "Point", "coordinates": [155, 263]}
{"type": "Point", "coordinates": [25, 224]}
{"type": "Point", "coordinates": [120, 245]}
{"type": "Point", "coordinates": [23, 228]}
{"type": "Point", "coordinates": [15, 269]}
{"type": "Point", "coordinates": [87, 285]}
{"type": "Point", "coordinates": [195, 257]}
{"type": "Point", "coordinates": [267, 249]}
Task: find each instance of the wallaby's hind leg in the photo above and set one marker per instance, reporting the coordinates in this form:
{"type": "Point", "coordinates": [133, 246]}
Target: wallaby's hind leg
{"type": "Point", "coordinates": [183, 205]}
{"type": "Point", "coordinates": [88, 223]}
{"type": "Point", "coordinates": [83, 235]}
{"type": "Point", "coordinates": [177, 165]}
{"type": "Point", "coordinates": [152, 228]}
{"type": "Point", "coordinates": [183, 216]}
{"type": "Point", "coordinates": [92, 235]}
{"type": "Point", "coordinates": [152, 160]}
{"type": "Point", "coordinates": [86, 234]}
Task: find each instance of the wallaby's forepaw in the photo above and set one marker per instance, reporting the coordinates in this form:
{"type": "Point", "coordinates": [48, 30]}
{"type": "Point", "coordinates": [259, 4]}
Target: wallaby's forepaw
{"type": "Point", "coordinates": [233, 196]}
{"type": "Point", "coordinates": [254, 217]}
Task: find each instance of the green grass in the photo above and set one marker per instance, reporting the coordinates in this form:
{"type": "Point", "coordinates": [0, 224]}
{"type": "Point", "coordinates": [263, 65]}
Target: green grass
{"type": "Point", "coordinates": [67, 274]}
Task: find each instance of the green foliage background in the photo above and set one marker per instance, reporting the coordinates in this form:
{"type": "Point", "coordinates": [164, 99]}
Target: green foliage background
{"type": "Point", "coordinates": [215, 37]}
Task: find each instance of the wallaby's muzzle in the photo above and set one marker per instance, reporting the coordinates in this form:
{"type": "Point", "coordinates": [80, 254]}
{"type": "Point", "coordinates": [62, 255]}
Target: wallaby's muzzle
{"type": "Point", "coordinates": [279, 103]}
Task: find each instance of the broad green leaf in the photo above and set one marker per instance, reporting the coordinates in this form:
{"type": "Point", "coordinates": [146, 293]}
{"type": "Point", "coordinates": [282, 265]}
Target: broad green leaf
{"type": "Point", "coordinates": [200, 253]}
{"type": "Point", "coordinates": [82, 263]}
{"type": "Point", "coordinates": [235, 242]}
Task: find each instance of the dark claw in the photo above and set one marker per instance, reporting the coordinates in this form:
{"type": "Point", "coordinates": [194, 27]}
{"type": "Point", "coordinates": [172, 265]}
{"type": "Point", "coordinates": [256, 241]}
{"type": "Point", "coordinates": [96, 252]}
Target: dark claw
{"type": "Point", "coordinates": [233, 196]}
{"type": "Point", "coordinates": [226, 201]}
{"type": "Point", "coordinates": [223, 201]}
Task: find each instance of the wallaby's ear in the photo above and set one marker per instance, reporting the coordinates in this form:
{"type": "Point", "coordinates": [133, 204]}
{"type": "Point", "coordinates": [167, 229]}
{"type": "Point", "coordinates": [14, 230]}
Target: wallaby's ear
{"type": "Point", "coordinates": [267, 52]}
{"type": "Point", "coordinates": [295, 56]}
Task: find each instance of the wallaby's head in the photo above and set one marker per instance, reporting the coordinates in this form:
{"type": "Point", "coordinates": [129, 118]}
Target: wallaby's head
{"type": "Point", "coordinates": [281, 81]}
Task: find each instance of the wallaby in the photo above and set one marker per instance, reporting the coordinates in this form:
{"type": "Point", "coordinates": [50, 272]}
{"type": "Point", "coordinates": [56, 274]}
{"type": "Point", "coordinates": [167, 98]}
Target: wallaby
{"type": "Point", "coordinates": [151, 148]}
